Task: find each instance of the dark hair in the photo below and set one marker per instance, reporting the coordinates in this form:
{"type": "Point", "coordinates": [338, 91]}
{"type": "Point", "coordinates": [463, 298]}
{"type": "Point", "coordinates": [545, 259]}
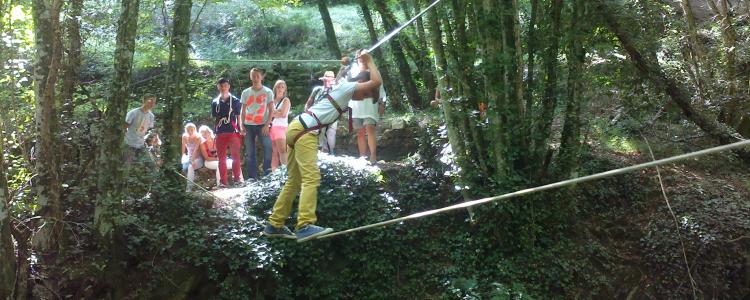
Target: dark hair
{"type": "Point", "coordinates": [149, 96]}
{"type": "Point", "coordinates": [222, 80]}
{"type": "Point", "coordinates": [256, 69]}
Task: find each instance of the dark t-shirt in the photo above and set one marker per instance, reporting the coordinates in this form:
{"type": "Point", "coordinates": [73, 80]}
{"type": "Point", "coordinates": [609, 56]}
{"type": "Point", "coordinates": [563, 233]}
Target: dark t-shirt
{"type": "Point", "coordinates": [225, 115]}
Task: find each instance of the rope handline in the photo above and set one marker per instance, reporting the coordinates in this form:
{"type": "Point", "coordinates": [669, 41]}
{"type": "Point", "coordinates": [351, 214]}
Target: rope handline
{"type": "Point", "coordinates": [545, 187]}
{"type": "Point", "coordinates": [398, 29]}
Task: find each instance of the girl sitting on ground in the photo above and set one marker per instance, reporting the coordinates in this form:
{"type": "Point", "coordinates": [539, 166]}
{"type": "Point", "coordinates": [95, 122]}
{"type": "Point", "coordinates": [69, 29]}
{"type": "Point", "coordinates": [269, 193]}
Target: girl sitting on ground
{"type": "Point", "coordinates": [209, 153]}
{"type": "Point", "coordinates": [191, 156]}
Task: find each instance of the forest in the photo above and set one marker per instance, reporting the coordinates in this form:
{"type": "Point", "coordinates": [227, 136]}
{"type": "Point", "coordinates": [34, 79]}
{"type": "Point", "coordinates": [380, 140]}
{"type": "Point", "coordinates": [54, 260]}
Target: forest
{"type": "Point", "coordinates": [108, 107]}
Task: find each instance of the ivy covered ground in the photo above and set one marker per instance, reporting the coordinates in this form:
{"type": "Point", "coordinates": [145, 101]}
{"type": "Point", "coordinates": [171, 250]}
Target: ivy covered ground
{"type": "Point", "coordinates": [613, 238]}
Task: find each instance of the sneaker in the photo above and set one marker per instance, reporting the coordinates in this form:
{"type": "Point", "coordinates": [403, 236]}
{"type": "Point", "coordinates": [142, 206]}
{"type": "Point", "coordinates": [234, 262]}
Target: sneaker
{"type": "Point", "coordinates": [310, 232]}
{"type": "Point", "coordinates": [284, 232]}
{"type": "Point", "coordinates": [221, 186]}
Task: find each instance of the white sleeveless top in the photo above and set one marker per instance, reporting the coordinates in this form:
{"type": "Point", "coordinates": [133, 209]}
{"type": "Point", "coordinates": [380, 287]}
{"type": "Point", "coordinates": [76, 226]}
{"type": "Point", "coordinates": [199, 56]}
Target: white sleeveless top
{"type": "Point", "coordinates": [281, 122]}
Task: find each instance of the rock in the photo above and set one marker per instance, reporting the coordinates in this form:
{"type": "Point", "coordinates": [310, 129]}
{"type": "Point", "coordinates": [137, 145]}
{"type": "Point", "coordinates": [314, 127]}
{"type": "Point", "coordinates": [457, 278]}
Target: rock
{"type": "Point", "coordinates": [398, 123]}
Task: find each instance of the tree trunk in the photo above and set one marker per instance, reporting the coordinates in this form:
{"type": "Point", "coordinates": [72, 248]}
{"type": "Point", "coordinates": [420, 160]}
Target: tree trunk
{"type": "Point", "coordinates": [449, 112]}
{"type": "Point", "coordinates": [7, 251]}
{"type": "Point", "coordinates": [419, 57]}
{"type": "Point", "coordinates": [177, 93]}
{"type": "Point", "coordinates": [467, 99]}
{"type": "Point", "coordinates": [404, 70]}
{"type": "Point", "coordinates": [333, 44]}
{"type": "Point", "coordinates": [732, 113]}
{"type": "Point", "coordinates": [73, 63]}
{"type": "Point", "coordinates": [541, 132]}
{"type": "Point", "coordinates": [46, 69]}
{"type": "Point", "coordinates": [391, 88]}
{"type": "Point", "coordinates": [570, 142]}
{"type": "Point", "coordinates": [650, 69]}
{"type": "Point", "coordinates": [110, 184]}
{"type": "Point", "coordinates": [420, 25]}
{"type": "Point", "coordinates": [489, 17]}
{"type": "Point", "coordinates": [22, 278]}
{"type": "Point", "coordinates": [531, 45]}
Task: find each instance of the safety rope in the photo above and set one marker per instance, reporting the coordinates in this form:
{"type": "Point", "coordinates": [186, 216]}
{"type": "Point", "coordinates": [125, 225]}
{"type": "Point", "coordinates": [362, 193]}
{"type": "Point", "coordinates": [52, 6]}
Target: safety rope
{"type": "Point", "coordinates": [385, 38]}
{"type": "Point", "coordinates": [544, 187]}
{"type": "Point", "coordinates": [394, 32]}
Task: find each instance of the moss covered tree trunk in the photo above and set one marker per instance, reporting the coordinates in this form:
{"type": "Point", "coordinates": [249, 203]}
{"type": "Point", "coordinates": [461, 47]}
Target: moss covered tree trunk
{"type": "Point", "coordinates": [333, 44]}
{"type": "Point", "coordinates": [733, 111]}
{"type": "Point", "coordinates": [7, 251]}
{"type": "Point", "coordinates": [46, 69]}
{"type": "Point", "coordinates": [543, 122]}
{"type": "Point", "coordinates": [570, 142]}
{"type": "Point", "coordinates": [450, 112]}
{"type": "Point", "coordinates": [110, 184]}
{"type": "Point", "coordinates": [466, 95]}
{"type": "Point", "coordinates": [73, 57]}
{"type": "Point", "coordinates": [404, 70]}
{"type": "Point", "coordinates": [177, 93]}
{"type": "Point", "coordinates": [402, 41]}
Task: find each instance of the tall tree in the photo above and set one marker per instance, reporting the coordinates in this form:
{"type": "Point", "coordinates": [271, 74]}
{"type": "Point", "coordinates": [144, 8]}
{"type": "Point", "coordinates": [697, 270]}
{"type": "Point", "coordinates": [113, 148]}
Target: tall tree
{"type": "Point", "coordinates": [489, 17]}
{"type": "Point", "coordinates": [419, 57]}
{"type": "Point", "coordinates": [46, 69]}
{"type": "Point", "coordinates": [110, 180]}
{"type": "Point", "coordinates": [467, 93]}
{"type": "Point", "coordinates": [177, 93]}
{"type": "Point", "coordinates": [73, 58]}
{"type": "Point", "coordinates": [393, 89]}
{"type": "Point", "coordinates": [7, 251]}
{"type": "Point", "coordinates": [570, 143]}
{"type": "Point", "coordinates": [649, 68]}
{"type": "Point", "coordinates": [731, 111]}
{"type": "Point", "coordinates": [542, 127]}
{"type": "Point", "coordinates": [441, 72]}
{"type": "Point", "coordinates": [422, 40]}
{"type": "Point", "coordinates": [531, 48]}
{"type": "Point", "coordinates": [404, 70]}
{"type": "Point", "coordinates": [333, 44]}
{"type": "Point", "coordinates": [695, 50]}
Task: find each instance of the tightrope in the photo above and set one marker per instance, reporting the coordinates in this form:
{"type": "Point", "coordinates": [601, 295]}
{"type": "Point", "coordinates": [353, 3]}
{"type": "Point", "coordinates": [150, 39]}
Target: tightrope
{"type": "Point", "coordinates": [545, 187]}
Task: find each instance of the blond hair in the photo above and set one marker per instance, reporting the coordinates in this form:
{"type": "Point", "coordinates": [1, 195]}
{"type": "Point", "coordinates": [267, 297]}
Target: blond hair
{"type": "Point", "coordinates": [205, 128]}
{"type": "Point", "coordinates": [277, 84]}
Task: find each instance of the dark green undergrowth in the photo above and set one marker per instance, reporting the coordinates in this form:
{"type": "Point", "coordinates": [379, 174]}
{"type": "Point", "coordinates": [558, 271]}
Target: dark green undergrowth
{"type": "Point", "coordinates": [589, 241]}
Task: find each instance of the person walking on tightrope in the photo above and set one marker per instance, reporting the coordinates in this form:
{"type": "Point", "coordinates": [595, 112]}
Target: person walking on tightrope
{"type": "Point", "coordinates": [304, 175]}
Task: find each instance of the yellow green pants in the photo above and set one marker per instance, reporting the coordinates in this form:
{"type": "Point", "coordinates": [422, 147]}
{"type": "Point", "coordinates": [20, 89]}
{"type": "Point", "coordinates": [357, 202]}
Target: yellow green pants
{"type": "Point", "coordinates": [304, 178]}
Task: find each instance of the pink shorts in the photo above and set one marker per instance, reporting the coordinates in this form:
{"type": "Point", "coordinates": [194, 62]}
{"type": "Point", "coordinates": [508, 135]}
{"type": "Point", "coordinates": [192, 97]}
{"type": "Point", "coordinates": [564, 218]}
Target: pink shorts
{"type": "Point", "coordinates": [278, 132]}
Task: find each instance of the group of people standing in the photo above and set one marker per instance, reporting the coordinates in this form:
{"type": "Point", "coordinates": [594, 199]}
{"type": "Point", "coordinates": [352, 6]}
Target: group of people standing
{"type": "Point", "coordinates": [262, 114]}
{"type": "Point", "coordinates": [259, 115]}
